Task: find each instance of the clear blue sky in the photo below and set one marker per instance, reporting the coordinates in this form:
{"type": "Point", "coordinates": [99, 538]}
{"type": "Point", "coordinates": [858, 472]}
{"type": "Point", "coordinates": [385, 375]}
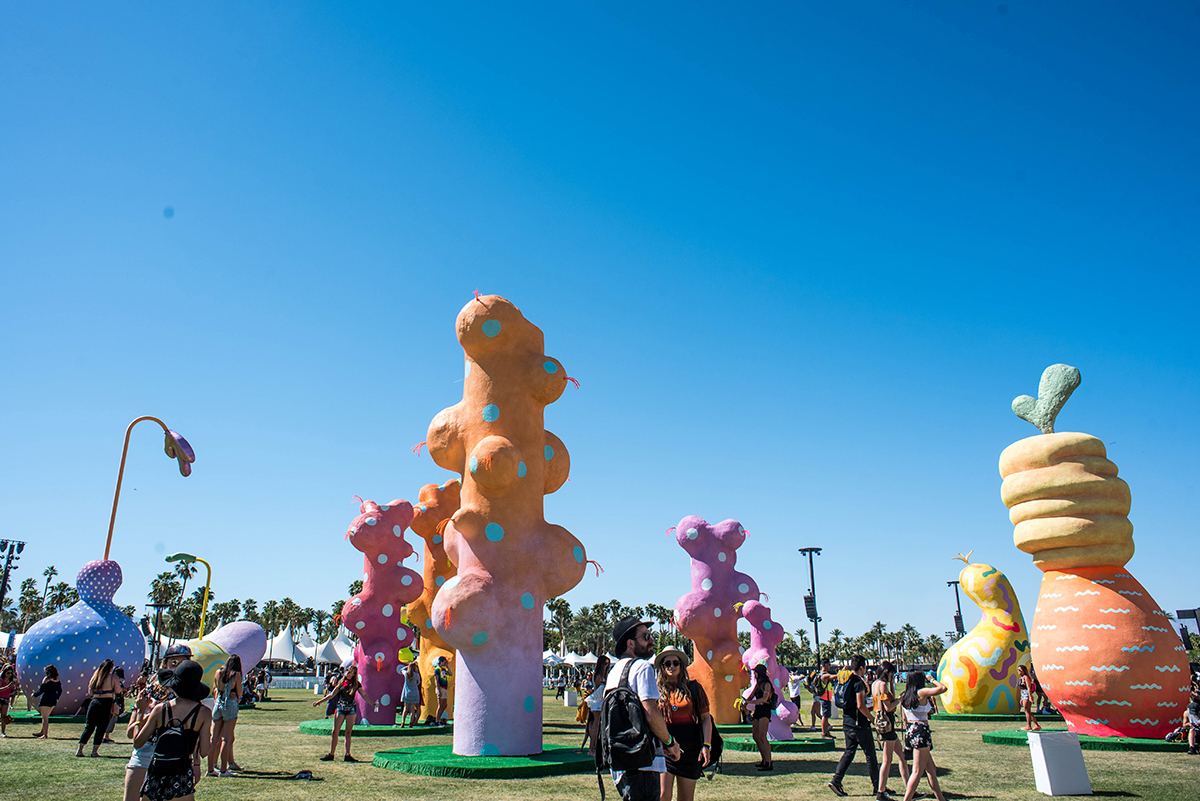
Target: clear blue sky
{"type": "Point", "coordinates": [801, 258]}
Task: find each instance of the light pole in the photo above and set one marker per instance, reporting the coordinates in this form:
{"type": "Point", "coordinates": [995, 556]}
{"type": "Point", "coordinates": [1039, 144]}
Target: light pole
{"type": "Point", "coordinates": [157, 607]}
{"type": "Point", "coordinates": [186, 558]}
{"type": "Point", "coordinates": [958, 621]}
{"type": "Point", "coordinates": [176, 447]}
{"type": "Point", "coordinates": [810, 602]}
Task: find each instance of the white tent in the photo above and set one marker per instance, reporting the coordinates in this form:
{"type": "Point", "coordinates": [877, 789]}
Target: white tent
{"type": "Point", "coordinates": [551, 658]}
{"type": "Point", "coordinates": [327, 652]}
{"type": "Point", "coordinates": [343, 644]}
{"type": "Point", "coordinates": [282, 648]}
{"type": "Point", "coordinates": [576, 659]}
{"type": "Point", "coordinates": [16, 639]}
{"type": "Point", "coordinates": [305, 641]}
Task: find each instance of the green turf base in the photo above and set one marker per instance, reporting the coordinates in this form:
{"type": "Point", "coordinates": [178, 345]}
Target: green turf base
{"type": "Point", "coordinates": [35, 717]}
{"type": "Point", "coordinates": [324, 727]}
{"type": "Point", "coordinates": [1088, 742]}
{"type": "Point", "coordinates": [440, 760]}
{"type": "Point", "coordinates": [1005, 718]}
{"type": "Point", "coordinates": [782, 746]}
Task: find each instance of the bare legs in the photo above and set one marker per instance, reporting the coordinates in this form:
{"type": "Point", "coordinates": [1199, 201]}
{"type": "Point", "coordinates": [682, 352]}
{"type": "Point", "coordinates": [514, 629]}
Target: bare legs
{"type": "Point", "coordinates": [133, 783]}
{"type": "Point", "coordinates": [1031, 723]}
{"type": "Point", "coordinates": [218, 730]}
{"type": "Point", "coordinates": [44, 711]}
{"type": "Point", "coordinates": [337, 725]}
{"type": "Point", "coordinates": [349, 731]}
{"type": "Point", "coordinates": [760, 739]}
{"type": "Point", "coordinates": [891, 748]}
{"type": "Point", "coordinates": [441, 710]}
{"type": "Point", "coordinates": [226, 747]}
{"type": "Point", "coordinates": [923, 764]}
{"type": "Point", "coordinates": [687, 787]}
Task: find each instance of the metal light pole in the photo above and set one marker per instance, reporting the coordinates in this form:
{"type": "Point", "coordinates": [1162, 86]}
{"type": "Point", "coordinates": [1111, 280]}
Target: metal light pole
{"type": "Point", "coordinates": [810, 602]}
{"type": "Point", "coordinates": [14, 548]}
{"type": "Point", "coordinates": [958, 620]}
{"type": "Point", "coordinates": [157, 631]}
{"type": "Point", "coordinates": [186, 558]}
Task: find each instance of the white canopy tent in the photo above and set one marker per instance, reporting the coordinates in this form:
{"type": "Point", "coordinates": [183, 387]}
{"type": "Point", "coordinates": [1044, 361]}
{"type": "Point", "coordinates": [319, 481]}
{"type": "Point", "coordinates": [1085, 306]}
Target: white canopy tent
{"type": "Point", "coordinates": [282, 648]}
{"type": "Point", "coordinates": [337, 650]}
{"type": "Point", "coordinates": [549, 659]}
{"type": "Point", "coordinates": [575, 659]}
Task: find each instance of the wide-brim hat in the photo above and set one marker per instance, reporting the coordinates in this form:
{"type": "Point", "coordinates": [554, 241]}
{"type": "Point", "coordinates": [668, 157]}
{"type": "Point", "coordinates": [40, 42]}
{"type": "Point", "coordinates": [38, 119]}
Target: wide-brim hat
{"type": "Point", "coordinates": [184, 679]}
{"type": "Point", "coordinates": [670, 650]}
{"type": "Point", "coordinates": [622, 630]}
{"type": "Point", "coordinates": [178, 649]}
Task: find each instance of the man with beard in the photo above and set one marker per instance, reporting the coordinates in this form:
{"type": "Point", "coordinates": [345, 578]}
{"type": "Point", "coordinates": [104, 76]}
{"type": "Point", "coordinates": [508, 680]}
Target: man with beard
{"type": "Point", "coordinates": [634, 643]}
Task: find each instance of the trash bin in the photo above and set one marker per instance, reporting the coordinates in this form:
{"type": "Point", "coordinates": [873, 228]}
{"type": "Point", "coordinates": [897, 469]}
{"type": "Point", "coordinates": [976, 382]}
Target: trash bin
{"type": "Point", "coordinates": [1058, 767]}
{"type": "Point", "coordinates": [571, 698]}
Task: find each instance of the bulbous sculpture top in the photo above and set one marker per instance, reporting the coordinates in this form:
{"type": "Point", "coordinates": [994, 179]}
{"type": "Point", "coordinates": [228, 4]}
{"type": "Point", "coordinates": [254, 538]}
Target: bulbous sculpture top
{"type": "Point", "coordinates": [98, 581]}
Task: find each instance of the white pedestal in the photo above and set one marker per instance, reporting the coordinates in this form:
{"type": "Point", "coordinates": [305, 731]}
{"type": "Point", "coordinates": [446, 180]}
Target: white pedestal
{"type": "Point", "coordinates": [571, 698]}
{"type": "Point", "coordinates": [1058, 767]}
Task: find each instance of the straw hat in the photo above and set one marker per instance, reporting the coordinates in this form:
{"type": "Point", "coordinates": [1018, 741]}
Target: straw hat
{"type": "Point", "coordinates": [670, 650]}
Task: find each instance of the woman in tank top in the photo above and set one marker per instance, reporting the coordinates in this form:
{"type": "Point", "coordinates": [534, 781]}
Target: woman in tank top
{"type": "Point", "coordinates": [915, 706]}
{"type": "Point", "coordinates": [883, 695]}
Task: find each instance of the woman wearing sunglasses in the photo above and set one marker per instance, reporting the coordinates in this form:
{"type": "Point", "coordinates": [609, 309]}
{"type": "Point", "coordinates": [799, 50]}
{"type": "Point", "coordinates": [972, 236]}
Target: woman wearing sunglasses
{"type": "Point", "coordinates": [685, 707]}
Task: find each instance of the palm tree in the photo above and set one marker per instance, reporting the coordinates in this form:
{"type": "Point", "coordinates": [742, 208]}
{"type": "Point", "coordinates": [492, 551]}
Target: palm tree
{"type": "Point", "coordinates": [30, 603]}
{"type": "Point", "coordinates": [250, 610]}
{"type": "Point", "coordinates": [289, 612]}
{"type": "Point", "coordinates": [270, 616]}
{"type": "Point", "coordinates": [319, 617]}
{"type": "Point", "coordinates": [164, 588]}
{"type": "Point", "coordinates": [560, 617]}
{"type": "Point", "coordinates": [60, 597]}
{"type": "Point", "coordinates": [49, 573]}
{"type": "Point", "coordinates": [836, 644]}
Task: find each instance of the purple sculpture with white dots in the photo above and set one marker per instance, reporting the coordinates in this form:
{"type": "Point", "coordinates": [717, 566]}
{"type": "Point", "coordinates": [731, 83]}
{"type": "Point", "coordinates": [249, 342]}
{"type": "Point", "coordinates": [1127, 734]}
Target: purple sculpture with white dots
{"type": "Point", "coordinates": [765, 637]}
{"type": "Point", "coordinates": [78, 639]}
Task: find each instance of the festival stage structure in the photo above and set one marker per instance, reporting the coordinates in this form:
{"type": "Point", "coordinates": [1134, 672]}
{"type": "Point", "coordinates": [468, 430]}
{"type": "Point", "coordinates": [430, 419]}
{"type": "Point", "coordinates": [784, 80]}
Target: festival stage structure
{"type": "Point", "coordinates": [78, 639]}
{"type": "Point", "coordinates": [708, 614]}
{"type": "Point", "coordinates": [1105, 652]}
{"type": "Point", "coordinates": [436, 504]}
{"type": "Point", "coordinates": [980, 669]}
{"type": "Point", "coordinates": [374, 614]}
{"type": "Point", "coordinates": [765, 637]}
{"type": "Point", "coordinates": [509, 559]}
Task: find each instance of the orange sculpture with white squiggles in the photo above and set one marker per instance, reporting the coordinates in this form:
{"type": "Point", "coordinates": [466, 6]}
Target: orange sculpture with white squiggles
{"type": "Point", "coordinates": [435, 506]}
{"type": "Point", "coordinates": [1105, 652]}
{"type": "Point", "coordinates": [509, 559]}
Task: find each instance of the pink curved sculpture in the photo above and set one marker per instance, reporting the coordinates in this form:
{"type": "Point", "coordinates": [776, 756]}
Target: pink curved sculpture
{"type": "Point", "coordinates": [708, 614]}
{"type": "Point", "coordinates": [765, 636]}
{"type": "Point", "coordinates": [374, 614]}
{"type": "Point", "coordinates": [509, 559]}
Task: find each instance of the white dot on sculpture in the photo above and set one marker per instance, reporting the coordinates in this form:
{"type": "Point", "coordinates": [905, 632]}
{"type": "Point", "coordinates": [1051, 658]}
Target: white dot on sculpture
{"type": "Point", "coordinates": [359, 625]}
{"type": "Point", "coordinates": [371, 521]}
{"type": "Point", "coordinates": [383, 558]}
{"type": "Point", "coordinates": [721, 557]}
{"type": "Point", "coordinates": [706, 584]}
{"type": "Point", "coordinates": [743, 588]}
{"type": "Point", "coordinates": [385, 699]}
{"type": "Point", "coordinates": [717, 612]}
{"type": "Point", "coordinates": [387, 610]}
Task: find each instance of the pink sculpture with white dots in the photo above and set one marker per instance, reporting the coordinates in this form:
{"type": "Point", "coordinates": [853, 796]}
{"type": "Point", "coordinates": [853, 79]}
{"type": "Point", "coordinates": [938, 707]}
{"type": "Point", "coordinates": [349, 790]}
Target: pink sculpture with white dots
{"type": "Point", "coordinates": [374, 614]}
{"type": "Point", "coordinates": [765, 636]}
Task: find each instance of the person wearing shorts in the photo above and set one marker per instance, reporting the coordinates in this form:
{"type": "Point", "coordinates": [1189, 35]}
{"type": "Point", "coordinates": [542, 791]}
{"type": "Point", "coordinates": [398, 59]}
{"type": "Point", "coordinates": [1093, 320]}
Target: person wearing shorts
{"type": "Point", "coordinates": [915, 705]}
{"type": "Point", "coordinates": [883, 695]}
{"type": "Point", "coordinates": [826, 678]}
{"type": "Point", "coordinates": [441, 674]}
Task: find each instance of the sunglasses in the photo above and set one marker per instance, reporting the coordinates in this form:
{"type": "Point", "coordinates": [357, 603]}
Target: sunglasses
{"type": "Point", "coordinates": [672, 663]}
{"type": "Point", "coordinates": [647, 636]}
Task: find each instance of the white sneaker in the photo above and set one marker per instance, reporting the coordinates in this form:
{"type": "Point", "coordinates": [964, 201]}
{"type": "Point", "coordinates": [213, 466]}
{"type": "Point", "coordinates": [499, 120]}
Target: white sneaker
{"type": "Point", "coordinates": [227, 774]}
{"type": "Point", "coordinates": [212, 772]}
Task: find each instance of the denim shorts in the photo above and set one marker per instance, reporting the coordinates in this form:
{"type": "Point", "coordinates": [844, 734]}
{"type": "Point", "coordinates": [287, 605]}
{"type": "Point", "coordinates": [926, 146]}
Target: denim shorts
{"type": "Point", "coordinates": [826, 708]}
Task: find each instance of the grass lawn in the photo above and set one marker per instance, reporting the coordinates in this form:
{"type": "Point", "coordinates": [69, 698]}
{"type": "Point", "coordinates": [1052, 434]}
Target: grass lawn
{"type": "Point", "coordinates": [270, 744]}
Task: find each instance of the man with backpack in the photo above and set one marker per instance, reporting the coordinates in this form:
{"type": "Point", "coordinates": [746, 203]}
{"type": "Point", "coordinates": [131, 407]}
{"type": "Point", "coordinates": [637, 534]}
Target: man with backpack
{"type": "Point", "coordinates": [850, 696]}
{"type": "Point", "coordinates": [631, 725]}
{"type": "Point", "coordinates": [826, 678]}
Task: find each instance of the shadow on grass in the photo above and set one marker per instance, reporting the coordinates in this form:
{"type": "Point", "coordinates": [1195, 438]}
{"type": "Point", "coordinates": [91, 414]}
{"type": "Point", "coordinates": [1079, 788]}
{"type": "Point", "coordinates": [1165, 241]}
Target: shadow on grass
{"type": "Point", "coordinates": [786, 766]}
{"type": "Point", "coordinates": [1115, 794]}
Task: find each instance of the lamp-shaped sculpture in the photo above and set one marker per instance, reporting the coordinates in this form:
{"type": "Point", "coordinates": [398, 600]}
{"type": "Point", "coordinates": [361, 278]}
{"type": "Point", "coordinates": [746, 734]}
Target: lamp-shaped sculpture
{"type": "Point", "coordinates": [78, 639]}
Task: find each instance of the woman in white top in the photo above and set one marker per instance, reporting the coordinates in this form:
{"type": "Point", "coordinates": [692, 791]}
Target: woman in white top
{"type": "Point", "coordinates": [915, 706]}
{"type": "Point", "coordinates": [594, 701]}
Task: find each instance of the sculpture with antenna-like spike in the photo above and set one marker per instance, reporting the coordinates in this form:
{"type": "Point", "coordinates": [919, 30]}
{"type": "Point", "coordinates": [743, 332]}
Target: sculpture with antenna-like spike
{"type": "Point", "coordinates": [1105, 652]}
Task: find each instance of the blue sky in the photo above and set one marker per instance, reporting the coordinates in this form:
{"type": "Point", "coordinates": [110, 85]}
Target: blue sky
{"type": "Point", "coordinates": [800, 257]}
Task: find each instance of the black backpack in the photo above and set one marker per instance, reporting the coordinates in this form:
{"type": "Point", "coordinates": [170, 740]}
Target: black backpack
{"type": "Point", "coordinates": [174, 743]}
{"type": "Point", "coordinates": [625, 741]}
{"type": "Point", "coordinates": [839, 692]}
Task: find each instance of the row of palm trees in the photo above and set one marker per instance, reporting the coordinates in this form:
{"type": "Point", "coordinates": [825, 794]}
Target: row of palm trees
{"type": "Point", "coordinates": [40, 599]}
{"type": "Point", "coordinates": [589, 629]}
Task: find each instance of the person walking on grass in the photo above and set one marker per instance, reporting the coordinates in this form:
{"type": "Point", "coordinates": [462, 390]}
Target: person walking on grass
{"type": "Point", "coordinates": [178, 729]}
{"type": "Point", "coordinates": [1028, 690]}
{"type": "Point", "coordinates": [634, 643]}
{"type": "Point", "coordinates": [915, 705]}
{"type": "Point", "coordinates": [684, 704]}
{"type": "Point", "coordinates": [826, 680]}
{"type": "Point", "coordinates": [103, 690]}
{"type": "Point", "coordinates": [856, 727]}
{"type": "Point", "coordinates": [763, 700]}
{"type": "Point", "coordinates": [228, 681]}
{"type": "Point", "coordinates": [883, 692]}
{"type": "Point", "coordinates": [47, 694]}
{"type": "Point", "coordinates": [442, 676]}
{"type": "Point", "coordinates": [9, 687]}
{"type": "Point", "coordinates": [347, 709]}
{"type": "Point", "coordinates": [594, 701]}
{"type": "Point", "coordinates": [412, 697]}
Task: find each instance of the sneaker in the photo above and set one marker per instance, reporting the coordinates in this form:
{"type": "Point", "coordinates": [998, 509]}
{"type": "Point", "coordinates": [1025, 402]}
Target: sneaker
{"type": "Point", "coordinates": [348, 758]}
{"type": "Point", "coordinates": [327, 758]}
{"type": "Point", "coordinates": [837, 788]}
{"type": "Point", "coordinates": [227, 774]}
{"type": "Point", "coordinates": [213, 773]}
{"type": "Point", "coordinates": [1193, 751]}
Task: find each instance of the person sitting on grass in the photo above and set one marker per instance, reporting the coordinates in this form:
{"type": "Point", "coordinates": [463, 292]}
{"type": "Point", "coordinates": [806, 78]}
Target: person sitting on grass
{"type": "Point", "coordinates": [347, 709]}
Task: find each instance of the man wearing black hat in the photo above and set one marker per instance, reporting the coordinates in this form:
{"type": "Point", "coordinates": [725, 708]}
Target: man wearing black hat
{"type": "Point", "coordinates": [635, 643]}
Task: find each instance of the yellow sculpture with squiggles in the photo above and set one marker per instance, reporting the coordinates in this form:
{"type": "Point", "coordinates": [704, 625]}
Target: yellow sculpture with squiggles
{"type": "Point", "coordinates": [980, 670]}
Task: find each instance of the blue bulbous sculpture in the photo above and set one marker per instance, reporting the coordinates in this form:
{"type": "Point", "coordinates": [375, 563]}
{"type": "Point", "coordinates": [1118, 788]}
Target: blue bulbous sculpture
{"type": "Point", "coordinates": [78, 639]}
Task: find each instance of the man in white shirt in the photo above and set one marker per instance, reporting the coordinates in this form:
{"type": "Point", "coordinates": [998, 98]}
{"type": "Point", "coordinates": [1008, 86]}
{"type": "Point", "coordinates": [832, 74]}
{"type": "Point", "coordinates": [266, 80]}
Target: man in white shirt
{"type": "Point", "coordinates": [635, 642]}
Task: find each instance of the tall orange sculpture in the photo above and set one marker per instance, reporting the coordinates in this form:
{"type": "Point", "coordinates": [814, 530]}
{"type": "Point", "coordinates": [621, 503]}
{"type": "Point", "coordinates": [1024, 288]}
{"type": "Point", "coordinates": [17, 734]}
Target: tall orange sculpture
{"type": "Point", "coordinates": [1104, 651]}
{"type": "Point", "coordinates": [509, 559]}
{"type": "Point", "coordinates": [435, 505]}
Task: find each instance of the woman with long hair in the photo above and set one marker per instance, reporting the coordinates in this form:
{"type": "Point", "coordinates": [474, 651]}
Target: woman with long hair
{"type": "Point", "coordinates": [103, 690]}
{"type": "Point", "coordinates": [411, 715]}
{"type": "Point", "coordinates": [684, 706]}
{"type": "Point", "coordinates": [9, 686]}
{"type": "Point", "coordinates": [594, 701]}
{"type": "Point", "coordinates": [1026, 682]}
{"type": "Point", "coordinates": [228, 685]}
{"type": "Point", "coordinates": [174, 731]}
{"type": "Point", "coordinates": [50, 692]}
{"type": "Point", "coordinates": [764, 699]}
{"type": "Point", "coordinates": [915, 705]}
{"type": "Point", "coordinates": [883, 692]}
{"type": "Point", "coordinates": [347, 710]}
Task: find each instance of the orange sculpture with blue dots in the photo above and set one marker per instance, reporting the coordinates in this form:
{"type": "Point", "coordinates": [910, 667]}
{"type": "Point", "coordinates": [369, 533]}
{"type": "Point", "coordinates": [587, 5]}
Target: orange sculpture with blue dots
{"type": "Point", "coordinates": [509, 559]}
